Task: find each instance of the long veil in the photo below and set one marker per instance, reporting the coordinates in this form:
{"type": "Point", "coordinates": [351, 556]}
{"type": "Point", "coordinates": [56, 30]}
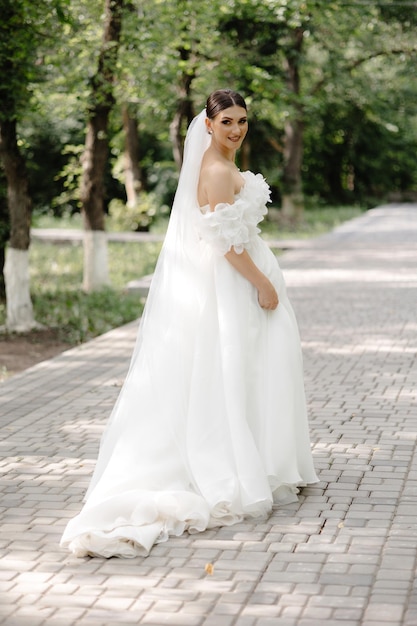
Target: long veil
{"type": "Point", "coordinates": [175, 272]}
{"type": "Point", "coordinates": [176, 295]}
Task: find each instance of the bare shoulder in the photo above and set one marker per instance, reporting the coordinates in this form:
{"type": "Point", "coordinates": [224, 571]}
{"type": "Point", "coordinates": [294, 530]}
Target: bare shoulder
{"type": "Point", "coordinates": [215, 171]}
{"type": "Point", "coordinates": [217, 183]}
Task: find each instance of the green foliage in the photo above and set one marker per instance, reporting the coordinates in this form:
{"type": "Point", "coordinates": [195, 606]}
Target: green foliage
{"type": "Point", "coordinates": [68, 200]}
{"type": "Point", "coordinates": [349, 153]}
{"type": "Point", "coordinates": [17, 66]}
{"type": "Point", "coordinates": [162, 177]}
{"type": "Point", "coordinates": [357, 64]}
{"type": "Point", "coordinates": [140, 217]}
{"type": "Point", "coordinates": [27, 30]}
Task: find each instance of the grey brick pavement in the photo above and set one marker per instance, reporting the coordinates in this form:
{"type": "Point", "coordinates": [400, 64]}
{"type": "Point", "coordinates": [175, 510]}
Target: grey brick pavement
{"type": "Point", "coordinates": [344, 555]}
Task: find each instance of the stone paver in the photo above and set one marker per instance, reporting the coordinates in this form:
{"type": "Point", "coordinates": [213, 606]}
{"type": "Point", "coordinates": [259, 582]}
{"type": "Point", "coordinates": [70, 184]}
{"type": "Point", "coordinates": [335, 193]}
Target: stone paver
{"type": "Point", "coordinates": [345, 554]}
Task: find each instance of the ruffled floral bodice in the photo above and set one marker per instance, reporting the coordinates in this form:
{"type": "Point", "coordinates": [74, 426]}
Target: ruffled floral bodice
{"type": "Point", "coordinates": [235, 225]}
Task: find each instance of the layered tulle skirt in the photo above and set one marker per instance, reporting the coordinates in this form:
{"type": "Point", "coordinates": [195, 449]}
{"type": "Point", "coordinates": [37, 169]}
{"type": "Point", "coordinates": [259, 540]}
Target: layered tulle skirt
{"type": "Point", "coordinates": [210, 426]}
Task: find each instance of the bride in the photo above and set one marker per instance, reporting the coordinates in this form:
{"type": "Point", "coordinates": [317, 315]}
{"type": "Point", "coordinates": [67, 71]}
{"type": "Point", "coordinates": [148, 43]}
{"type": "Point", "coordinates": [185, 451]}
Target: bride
{"type": "Point", "coordinates": [210, 426]}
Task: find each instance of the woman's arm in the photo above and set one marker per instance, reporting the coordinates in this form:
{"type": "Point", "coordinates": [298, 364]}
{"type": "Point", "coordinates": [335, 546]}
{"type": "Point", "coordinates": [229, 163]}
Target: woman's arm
{"type": "Point", "coordinates": [219, 186]}
{"type": "Point", "coordinates": [267, 295]}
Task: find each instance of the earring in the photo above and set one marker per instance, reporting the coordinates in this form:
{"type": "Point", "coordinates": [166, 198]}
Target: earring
{"type": "Point", "coordinates": [210, 132]}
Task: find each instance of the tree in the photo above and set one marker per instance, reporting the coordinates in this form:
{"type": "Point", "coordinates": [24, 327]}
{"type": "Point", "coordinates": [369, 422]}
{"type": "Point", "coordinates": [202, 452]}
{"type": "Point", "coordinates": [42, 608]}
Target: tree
{"type": "Point", "coordinates": [16, 58]}
{"type": "Point", "coordinates": [292, 191]}
{"type": "Point", "coordinates": [362, 101]}
{"type": "Point", "coordinates": [300, 62]}
{"type": "Point", "coordinates": [317, 78]}
{"type": "Point", "coordinates": [4, 233]}
{"type": "Point", "coordinates": [132, 171]}
{"type": "Point", "coordinates": [95, 154]}
{"type": "Point", "coordinates": [271, 38]}
{"type": "Point", "coordinates": [175, 43]}
{"type": "Point", "coordinates": [27, 30]}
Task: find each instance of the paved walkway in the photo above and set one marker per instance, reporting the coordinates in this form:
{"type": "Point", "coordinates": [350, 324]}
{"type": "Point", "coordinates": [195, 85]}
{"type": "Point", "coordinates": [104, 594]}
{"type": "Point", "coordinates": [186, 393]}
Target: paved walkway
{"type": "Point", "coordinates": [345, 555]}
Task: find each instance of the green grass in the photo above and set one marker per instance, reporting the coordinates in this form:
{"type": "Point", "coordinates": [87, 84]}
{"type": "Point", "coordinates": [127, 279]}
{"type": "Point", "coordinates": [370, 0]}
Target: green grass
{"type": "Point", "coordinates": [317, 221]}
{"type": "Point", "coordinates": [56, 276]}
{"type": "Point", "coordinates": [60, 303]}
{"type": "Point", "coordinates": [49, 221]}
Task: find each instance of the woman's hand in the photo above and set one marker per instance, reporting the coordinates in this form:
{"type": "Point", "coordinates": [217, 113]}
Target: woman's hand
{"type": "Point", "coordinates": [267, 296]}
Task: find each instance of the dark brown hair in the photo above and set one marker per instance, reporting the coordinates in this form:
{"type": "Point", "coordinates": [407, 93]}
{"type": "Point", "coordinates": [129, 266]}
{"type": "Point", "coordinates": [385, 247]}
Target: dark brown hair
{"type": "Point", "coordinates": [223, 99]}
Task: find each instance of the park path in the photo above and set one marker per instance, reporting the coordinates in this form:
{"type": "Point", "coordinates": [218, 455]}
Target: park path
{"type": "Point", "coordinates": [344, 555]}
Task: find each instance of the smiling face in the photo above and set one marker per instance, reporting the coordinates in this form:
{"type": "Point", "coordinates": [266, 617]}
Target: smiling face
{"type": "Point", "coordinates": [229, 129]}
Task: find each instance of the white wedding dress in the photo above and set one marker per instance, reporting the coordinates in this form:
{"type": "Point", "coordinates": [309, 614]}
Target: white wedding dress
{"type": "Point", "coordinates": [210, 425]}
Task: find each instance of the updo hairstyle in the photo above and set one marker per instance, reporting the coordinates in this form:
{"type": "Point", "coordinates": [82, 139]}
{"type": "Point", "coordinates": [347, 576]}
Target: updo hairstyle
{"type": "Point", "coordinates": [223, 99]}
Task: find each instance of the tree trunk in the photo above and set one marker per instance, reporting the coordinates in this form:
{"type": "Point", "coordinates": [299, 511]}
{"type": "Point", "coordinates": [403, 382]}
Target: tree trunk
{"type": "Point", "coordinates": [292, 196]}
{"type": "Point", "coordinates": [4, 235]}
{"type": "Point", "coordinates": [16, 269]}
{"type": "Point", "coordinates": [292, 193]}
{"type": "Point", "coordinates": [132, 171]}
{"type": "Point", "coordinates": [18, 303]}
{"type": "Point", "coordinates": [184, 112]}
{"type": "Point", "coordinates": [95, 155]}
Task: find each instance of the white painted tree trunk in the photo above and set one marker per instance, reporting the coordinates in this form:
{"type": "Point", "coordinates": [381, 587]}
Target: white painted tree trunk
{"type": "Point", "coordinates": [96, 266]}
{"type": "Point", "coordinates": [19, 304]}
